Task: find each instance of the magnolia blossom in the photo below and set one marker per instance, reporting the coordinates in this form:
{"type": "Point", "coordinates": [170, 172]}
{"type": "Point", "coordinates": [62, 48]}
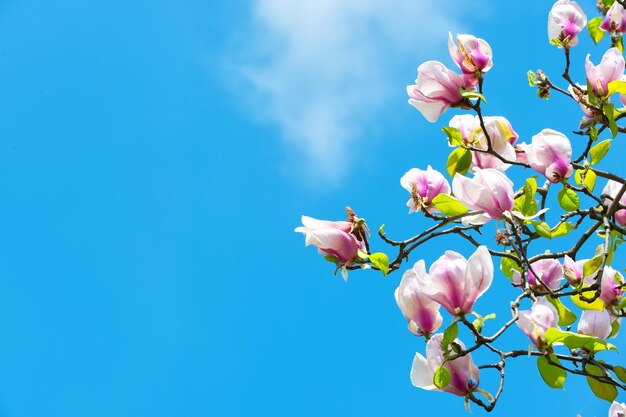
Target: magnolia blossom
{"type": "Point", "coordinates": [550, 153]}
{"type": "Point", "coordinates": [455, 282]}
{"type": "Point", "coordinates": [472, 55]}
{"type": "Point", "coordinates": [611, 68]}
{"type": "Point", "coordinates": [489, 191]}
{"type": "Point", "coordinates": [611, 288]}
{"type": "Point", "coordinates": [536, 321]}
{"type": "Point", "coordinates": [421, 312]}
{"type": "Point", "coordinates": [549, 271]}
{"type": "Point", "coordinates": [595, 323]}
{"type": "Point", "coordinates": [424, 186]}
{"type": "Point", "coordinates": [610, 191]}
{"type": "Point", "coordinates": [331, 238]}
{"type": "Point", "coordinates": [565, 21]}
{"type": "Point", "coordinates": [463, 371]}
{"type": "Point", "coordinates": [617, 409]}
{"type": "Point", "coordinates": [502, 138]}
{"type": "Point", "coordinates": [615, 19]}
{"type": "Point", "coordinates": [573, 271]}
{"type": "Point", "coordinates": [436, 89]}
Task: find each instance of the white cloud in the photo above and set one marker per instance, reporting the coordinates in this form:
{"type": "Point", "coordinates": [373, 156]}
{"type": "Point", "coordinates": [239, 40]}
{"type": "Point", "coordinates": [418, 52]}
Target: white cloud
{"type": "Point", "coordinates": [319, 69]}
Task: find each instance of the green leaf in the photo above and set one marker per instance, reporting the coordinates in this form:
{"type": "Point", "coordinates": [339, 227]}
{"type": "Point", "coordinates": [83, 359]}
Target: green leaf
{"type": "Point", "coordinates": [441, 378]}
{"type": "Point", "coordinates": [593, 132]}
{"type": "Point", "coordinates": [454, 136]}
{"type": "Point", "coordinates": [609, 111]}
{"type": "Point", "coordinates": [362, 254]}
{"type": "Point", "coordinates": [600, 389]}
{"type": "Point", "coordinates": [597, 152]}
{"type": "Point", "coordinates": [593, 26]}
{"type": "Point", "coordinates": [563, 229]}
{"type": "Point", "coordinates": [620, 372]}
{"type": "Point", "coordinates": [382, 229]}
{"type": "Point", "coordinates": [620, 43]}
{"type": "Point", "coordinates": [566, 316]}
{"type": "Point", "coordinates": [331, 258]}
{"type": "Point", "coordinates": [592, 265]}
{"type": "Point", "coordinates": [449, 205]}
{"type": "Point", "coordinates": [532, 79]}
{"type": "Point", "coordinates": [591, 96]}
{"type": "Point", "coordinates": [576, 341]}
{"type": "Point", "coordinates": [380, 261]}
{"type": "Point", "coordinates": [472, 95]}
{"type": "Point", "coordinates": [449, 335]}
{"type": "Point", "coordinates": [459, 161]}
{"type": "Point", "coordinates": [568, 199]}
{"type": "Point", "coordinates": [617, 86]}
{"type": "Point", "coordinates": [597, 304]}
{"type": "Point", "coordinates": [526, 203]}
{"type": "Point", "coordinates": [542, 229]}
{"type": "Point", "coordinates": [608, 3]}
{"type": "Point", "coordinates": [586, 177]}
{"type": "Point", "coordinates": [507, 265]}
{"type": "Point", "coordinates": [551, 375]}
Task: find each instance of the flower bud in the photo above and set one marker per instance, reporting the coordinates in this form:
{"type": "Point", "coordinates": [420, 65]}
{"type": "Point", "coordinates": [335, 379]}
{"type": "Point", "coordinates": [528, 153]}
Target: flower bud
{"type": "Point", "coordinates": [611, 68]}
{"type": "Point", "coordinates": [595, 323]}
{"type": "Point", "coordinates": [421, 312]}
{"type": "Point", "coordinates": [331, 238]}
{"type": "Point", "coordinates": [424, 186]}
{"type": "Point", "coordinates": [549, 271]}
{"type": "Point", "coordinates": [464, 376]}
{"type": "Point", "coordinates": [611, 288]}
{"type": "Point", "coordinates": [436, 89]}
{"type": "Point", "coordinates": [455, 282]}
{"type": "Point", "coordinates": [550, 153]}
{"type": "Point", "coordinates": [565, 21]}
{"type": "Point", "coordinates": [615, 19]}
{"type": "Point", "coordinates": [472, 55]}
{"type": "Point", "coordinates": [489, 191]}
{"type": "Point", "coordinates": [536, 321]}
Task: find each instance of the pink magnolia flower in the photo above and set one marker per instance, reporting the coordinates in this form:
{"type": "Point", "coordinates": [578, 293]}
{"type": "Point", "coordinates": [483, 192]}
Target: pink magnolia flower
{"type": "Point", "coordinates": [615, 19]}
{"type": "Point", "coordinates": [502, 138]}
{"type": "Point", "coordinates": [536, 321]}
{"type": "Point", "coordinates": [455, 282]}
{"type": "Point", "coordinates": [611, 288]}
{"type": "Point", "coordinates": [611, 68]}
{"type": "Point", "coordinates": [464, 123]}
{"type": "Point", "coordinates": [421, 312]}
{"type": "Point", "coordinates": [595, 323]}
{"type": "Point", "coordinates": [610, 191]}
{"type": "Point", "coordinates": [550, 153]}
{"type": "Point", "coordinates": [472, 55]}
{"type": "Point", "coordinates": [331, 238]}
{"type": "Point", "coordinates": [549, 271]}
{"type": "Point", "coordinates": [463, 372]}
{"type": "Point", "coordinates": [424, 186]}
{"type": "Point", "coordinates": [566, 20]}
{"type": "Point", "coordinates": [436, 89]}
{"type": "Point", "coordinates": [573, 270]}
{"type": "Point", "coordinates": [617, 409]}
{"type": "Point", "coordinates": [489, 191]}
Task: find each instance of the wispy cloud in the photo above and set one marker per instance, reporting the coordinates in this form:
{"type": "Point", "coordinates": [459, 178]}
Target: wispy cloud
{"type": "Point", "coordinates": [319, 69]}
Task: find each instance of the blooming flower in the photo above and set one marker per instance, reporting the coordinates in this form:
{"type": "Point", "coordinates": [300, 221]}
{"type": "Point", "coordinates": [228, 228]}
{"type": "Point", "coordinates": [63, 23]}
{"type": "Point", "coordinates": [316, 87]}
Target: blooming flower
{"type": "Point", "coordinates": [424, 186]}
{"type": "Point", "coordinates": [463, 371]}
{"type": "Point", "coordinates": [611, 288]}
{"type": "Point", "coordinates": [615, 19]}
{"type": "Point", "coordinates": [331, 238]}
{"type": "Point", "coordinates": [549, 271]}
{"type": "Point", "coordinates": [421, 312]}
{"type": "Point", "coordinates": [489, 191]}
{"type": "Point", "coordinates": [472, 55]}
{"type": "Point", "coordinates": [454, 282]}
{"type": "Point", "coordinates": [595, 323]}
{"type": "Point", "coordinates": [550, 153]}
{"type": "Point", "coordinates": [611, 68]}
{"type": "Point", "coordinates": [565, 21]}
{"type": "Point", "coordinates": [536, 321]}
{"type": "Point", "coordinates": [502, 138]}
{"type": "Point", "coordinates": [610, 191]}
{"type": "Point", "coordinates": [617, 409]}
{"type": "Point", "coordinates": [436, 89]}
{"type": "Point", "coordinates": [573, 270]}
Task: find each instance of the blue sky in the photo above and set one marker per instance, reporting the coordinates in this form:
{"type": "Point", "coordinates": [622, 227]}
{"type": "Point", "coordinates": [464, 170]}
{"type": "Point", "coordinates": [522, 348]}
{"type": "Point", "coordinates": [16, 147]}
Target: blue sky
{"type": "Point", "coordinates": [154, 160]}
